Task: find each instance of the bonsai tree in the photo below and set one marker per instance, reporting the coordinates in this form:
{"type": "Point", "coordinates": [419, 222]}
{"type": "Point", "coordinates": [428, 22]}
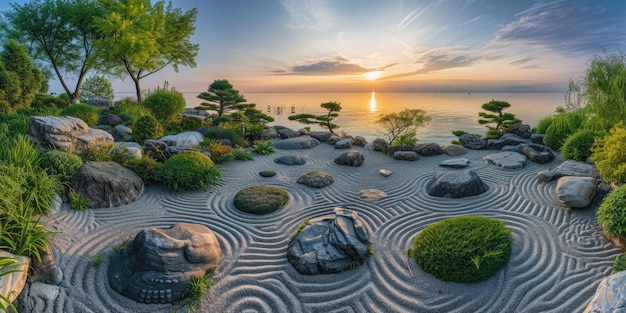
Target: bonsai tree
{"type": "Point", "coordinates": [495, 115]}
{"type": "Point", "coordinates": [323, 120]}
{"type": "Point", "coordinates": [403, 124]}
{"type": "Point", "coordinates": [221, 96]}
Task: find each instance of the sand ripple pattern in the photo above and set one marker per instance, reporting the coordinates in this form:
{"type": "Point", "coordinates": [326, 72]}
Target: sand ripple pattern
{"type": "Point", "coordinates": [558, 255]}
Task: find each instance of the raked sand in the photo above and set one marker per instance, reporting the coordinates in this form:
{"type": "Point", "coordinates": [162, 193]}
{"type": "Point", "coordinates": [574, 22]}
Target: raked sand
{"type": "Point", "coordinates": [559, 256]}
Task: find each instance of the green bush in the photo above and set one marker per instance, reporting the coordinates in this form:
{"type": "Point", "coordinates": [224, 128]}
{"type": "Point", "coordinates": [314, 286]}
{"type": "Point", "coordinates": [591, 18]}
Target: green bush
{"type": "Point", "coordinates": [63, 165]}
{"type": "Point", "coordinates": [130, 111]}
{"type": "Point", "coordinates": [216, 132]}
{"type": "Point", "coordinates": [562, 126]}
{"type": "Point", "coordinates": [147, 127]}
{"type": "Point", "coordinates": [543, 124]}
{"type": "Point", "coordinates": [619, 264]}
{"type": "Point", "coordinates": [260, 199]}
{"type": "Point", "coordinates": [578, 145]}
{"type": "Point", "coordinates": [190, 123]}
{"type": "Point", "coordinates": [463, 249]}
{"type": "Point", "coordinates": [406, 138]}
{"type": "Point", "coordinates": [611, 214]}
{"type": "Point", "coordinates": [165, 105]}
{"type": "Point", "coordinates": [263, 147]}
{"type": "Point", "coordinates": [16, 123]}
{"type": "Point", "coordinates": [44, 101]}
{"type": "Point", "coordinates": [242, 154]}
{"type": "Point", "coordinates": [190, 170]}
{"type": "Point", "coordinates": [145, 167]}
{"type": "Point", "coordinates": [221, 153]}
{"type": "Point", "coordinates": [609, 155]}
{"type": "Point", "coordinates": [82, 111]}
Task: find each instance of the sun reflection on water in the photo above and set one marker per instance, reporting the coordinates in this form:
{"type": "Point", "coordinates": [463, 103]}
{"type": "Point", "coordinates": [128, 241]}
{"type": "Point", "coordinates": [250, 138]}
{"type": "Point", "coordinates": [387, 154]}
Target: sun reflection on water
{"type": "Point", "coordinates": [373, 104]}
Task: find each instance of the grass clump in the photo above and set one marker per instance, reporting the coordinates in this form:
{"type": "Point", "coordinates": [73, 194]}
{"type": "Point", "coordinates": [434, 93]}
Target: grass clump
{"type": "Point", "coordinates": [84, 112]}
{"type": "Point", "coordinates": [267, 173]}
{"type": "Point", "coordinates": [198, 288]}
{"type": "Point", "coordinates": [242, 154]}
{"type": "Point", "coordinates": [260, 199]}
{"type": "Point", "coordinates": [463, 249]}
{"type": "Point", "coordinates": [301, 227]}
{"type": "Point", "coordinates": [263, 147]}
{"type": "Point", "coordinates": [189, 170]}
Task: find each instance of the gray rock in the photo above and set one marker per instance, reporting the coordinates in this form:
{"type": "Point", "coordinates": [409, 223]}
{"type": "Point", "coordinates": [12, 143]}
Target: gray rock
{"type": "Point", "coordinates": [406, 155]}
{"type": "Point", "coordinates": [100, 102]}
{"type": "Point", "coordinates": [12, 284]}
{"type": "Point", "coordinates": [360, 141]}
{"type": "Point", "coordinates": [316, 179]}
{"type": "Point", "coordinates": [472, 142]}
{"type": "Point", "coordinates": [454, 150]}
{"type": "Point", "coordinates": [68, 134]}
{"type": "Point", "coordinates": [320, 135]}
{"type": "Point", "coordinates": [609, 296]}
{"type": "Point", "coordinates": [455, 163]}
{"type": "Point", "coordinates": [303, 142]}
{"type": "Point", "coordinates": [505, 140]}
{"type": "Point", "coordinates": [156, 149]}
{"type": "Point", "coordinates": [303, 132]}
{"type": "Point", "coordinates": [538, 153]}
{"type": "Point", "coordinates": [350, 158]}
{"type": "Point", "coordinates": [47, 270]}
{"type": "Point", "coordinates": [428, 149]}
{"type": "Point", "coordinates": [158, 264]}
{"type": "Point", "coordinates": [380, 144]}
{"type": "Point", "coordinates": [576, 192]}
{"type": "Point", "coordinates": [344, 144]}
{"type": "Point", "coordinates": [519, 148]}
{"type": "Point", "coordinates": [510, 160]}
{"type": "Point", "coordinates": [290, 160]}
{"type": "Point", "coordinates": [456, 184]}
{"type": "Point", "coordinates": [372, 195]}
{"type": "Point", "coordinates": [384, 172]}
{"type": "Point", "coordinates": [201, 114]}
{"type": "Point", "coordinates": [107, 184]}
{"type": "Point", "coordinates": [285, 132]}
{"type": "Point", "coordinates": [575, 168]}
{"type": "Point", "coordinates": [537, 138]}
{"type": "Point", "coordinates": [131, 150]}
{"type": "Point", "coordinates": [330, 245]}
{"type": "Point", "coordinates": [119, 131]}
{"type": "Point", "coordinates": [393, 149]}
{"type": "Point", "coordinates": [113, 120]}
{"type": "Point", "coordinates": [333, 139]}
{"type": "Point", "coordinates": [269, 132]}
{"type": "Point", "coordinates": [521, 130]}
{"type": "Point", "coordinates": [186, 139]}
{"type": "Point", "coordinates": [546, 175]}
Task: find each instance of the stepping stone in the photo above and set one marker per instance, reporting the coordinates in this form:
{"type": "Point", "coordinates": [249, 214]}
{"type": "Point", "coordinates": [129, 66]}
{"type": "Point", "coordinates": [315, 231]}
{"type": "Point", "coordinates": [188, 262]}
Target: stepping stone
{"type": "Point", "coordinates": [372, 195]}
{"type": "Point", "coordinates": [508, 159]}
{"type": "Point", "coordinates": [455, 163]}
{"type": "Point", "coordinates": [290, 160]}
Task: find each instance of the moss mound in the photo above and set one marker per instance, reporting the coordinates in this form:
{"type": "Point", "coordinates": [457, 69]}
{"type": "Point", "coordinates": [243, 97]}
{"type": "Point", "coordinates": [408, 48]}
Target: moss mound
{"type": "Point", "coordinates": [267, 173]}
{"type": "Point", "coordinates": [463, 249]}
{"type": "Point", "coordinates": [260, 199]}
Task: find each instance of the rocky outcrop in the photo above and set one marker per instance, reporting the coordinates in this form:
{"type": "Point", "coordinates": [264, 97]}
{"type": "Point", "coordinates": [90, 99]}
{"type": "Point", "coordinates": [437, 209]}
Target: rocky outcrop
{"type": "Point", "coordinates": [68, 134]}
{"type": "Point", "coordinates": [456, 184]}
{"type": "Point", "coordinates": [360, 141]}
{"type": "Point", "coordinates": [609, 296]}
{"type": "Point", "coordinates": [350, 158]}
{"type": "Point", "coordinates": [100, 102]}
{"type": "Point", "coordinates": [107, 184]}
{"type": "Point", "coordinates": [507, 159]}
{"type": "Point", "coordinates": [521, 130]}
{"type": "Point", "coordinates": [505, 140]}
{"type": "Point", "coordinates": [330, 246]}
{"type": "Point", "coordinates": [393, 149]}
{"type": "Point", "coordinates": [576, 192]}
{"type": "Point", "coordinates": [316, 179]}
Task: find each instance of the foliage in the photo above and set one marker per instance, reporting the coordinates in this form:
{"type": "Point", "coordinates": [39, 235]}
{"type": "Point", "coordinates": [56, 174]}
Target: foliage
{"type": "Point", "coordinates": [609, 154]}
{"type": "Point", "coordinates": [263, 147]}
{"type": "Point", "coordinates": [562, 126]}
{"type": "Point", "coordinates": [98, 154]}
{"type": "Point", "coordinates": [403, 123]}
{"type": "Point", "coordinates": [502, 120]}
{"type": "Point", "coordinates": [22, 234]}
{"type": "Point", "coordinates": [165, 106]}
{"type": "Point", "coordinates": [463, 249]}
{"type": "Point", "coordinates": [220, 96]}
{"type": "Point", "coordinates": [20, 79]}
{"type": "Point", "coordinates": [142, 37]}
{"type": "Point", "coordinates": [605, 89]}
{"type": "Point", "coordinates": [619, 264]}
{"type": "Point", "coordinates": [578, 145]}
{"type": "Point", "coordinates": [216, 132]}
{"type": "Point", "coordinates": [189, 123]}
{"type": "Point", "coordinates": [301, 226]}
{"type": "Point", "coordinates": [260, 199]}
{"type": "Point", "coordinates": [242, 154]}
{"type": "Point", "coordinates": [145, 167]}
{"type": "Point", "coordinates": [198, 288]}
{"type": "Point", "coordinates": [267, 173]}
{"type": "Point", "coordinates": [63, 165]}
{"type": "Point", "coordinates": [82, 111]}
{"type": "Point", "coordinates": [44, 101]}
{"type": "Point", "coordinates": [407, 138]}
{"type": "Point", "coordinates": [543, 124]}
{"type": "Point", "coordinates": [78, 202]}
{"type": "Point", "coordinates": [132, 109]}
{"type": "Point", "coordinates": [247, 115]}
{"type": "Point", "coordinates": [98, 259]}
{"type": "Point", "coordinates": [16, 123]}
{"type": "Point", "coordinates": [611, 214]}
{"type": "Point", "coordinates": [6, 264]}
{"type": "Point", "coordinates": [323, 120]}
{"type": "Point", "coordinates": [96, 86]}
{"type": "Point", "coordinates": [147, 127]}
{"type": "Point", "coordinates": [190, 170]}
{"type": "Point", "coordinates": [221, 153]}
{"type": "Point", "coordinates": [62, 35]}
{"type": "Point", "coordinates": [18, 151]}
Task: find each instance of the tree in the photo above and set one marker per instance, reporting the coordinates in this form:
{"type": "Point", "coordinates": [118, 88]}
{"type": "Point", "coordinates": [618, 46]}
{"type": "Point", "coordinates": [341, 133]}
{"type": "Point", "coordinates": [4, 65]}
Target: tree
{"type": "Point", "coordinates": [60, 33]}
{"type": "Point", "coordinates": [500, 119]}
{"type": "Point", "coordinates": [221, 96]}
{"type": "Point", "coordinates": [96, 86]}
{"type": "Point", "coordinates": [405, 122]}
{"type": "Point", "coordinates": [323, 120]}
{"type": "Point", "coordinates": [20, 79]}
{"type": "Point", "coordinates": [605, 90]}
{"type": "Point", "coordinates": [142, 38]}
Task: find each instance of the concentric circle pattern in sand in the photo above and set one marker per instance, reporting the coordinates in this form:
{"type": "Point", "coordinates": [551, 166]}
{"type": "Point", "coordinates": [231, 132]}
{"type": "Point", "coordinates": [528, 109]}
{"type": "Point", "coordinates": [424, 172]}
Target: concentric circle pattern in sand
{"type": "Point", "coordinates": [558, 257]}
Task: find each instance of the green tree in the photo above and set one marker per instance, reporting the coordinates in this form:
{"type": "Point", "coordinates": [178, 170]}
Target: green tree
{"type": "Point", "coordinates": [61, 34]}
{"type": "Point", "coordinates": [96, 86]}
{"type": "Point", "coordinates": [221, 96]}
{"type": "Point", "coordinates": [165, 105]}
{"type": "Point", "coordinates": [142, 37]}
{"type": "Point", "coordinates": [20, 79]}
{"type": "Point", "coordinates": [605, 90]}
{"type": "Point", "coordinates": [496, 116]}
{"type": "Point", "coordinates": [405, 122]}
{"type": "Point", "coordinates": [323, 120]}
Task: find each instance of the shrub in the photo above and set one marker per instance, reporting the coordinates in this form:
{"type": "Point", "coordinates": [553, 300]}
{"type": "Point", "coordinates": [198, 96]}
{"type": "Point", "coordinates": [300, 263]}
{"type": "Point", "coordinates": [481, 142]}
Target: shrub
{"type": "Point", "coordinates": [129, 108]}
{"type": "Point", "coordinates": [223, 133]}
{"type": "Point", "coordinates": [267, 173]}
{"type": "Point", "coordinates": [619, 264]}
{"type": "Point", "coordinates": [84, 112]}
{"type": "Point", "coordinates": [611, 214]}
{"type": "Point", "coordinates": [578, 145]}
{"type": "Point", "coordinates": [189, 123]}
{"type": "Point", "coordinates": [16, 123]}
{"type": "Point", "coordinates": [543, 124]}
{"type": "Point", "coordinates": [242, 154]}
{"type": "Point", "coordinates": [260, 199]}
{"type": "Point", "coordinates": [263, 147]}
{"type": "Point", "coordinates": [44, 101]}
{"type": "Point", "coordinates": [78, 202]}
{"type": "Point", "coordinates": [97, 154]}
{"type": "Point", "coordinates": [190, 170]}
{"type": "Point", "coordinates": [147, 127]}
{"type": "Point", "coordinates": [146, 168]}
{"type": "Point", "coordinates": [463, 249]}
{"type": "Point", "coordinates": [165, 105]}
{"type": "Point", "coordinates": [221, 153]}
{"type": "Point", "coordinates": [406, 138]}
{"type": "Point", "coordinates": [63, 165]}
{"type": "Point", "coordinates": [609, 155]}
{"type": "Point", "coordinates": [562, 126]}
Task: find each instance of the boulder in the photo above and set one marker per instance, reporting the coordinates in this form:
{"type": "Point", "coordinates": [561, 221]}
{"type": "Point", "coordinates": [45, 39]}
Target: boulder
{"type": "Point", "coordinates": [156, 149]}
{"type": "Point", "coordinates": [393, 149]}
{"type": "Point", "coordinates": [113, 120]}
{"type": "Point", "coordinates": [290, 160]}
{"type": "Point", "coordinates": [454, 150]}
{"type": "Point", "coordinates": [406, 155]}
{"type": "Point", "coordinates": [331, 245]}
{"type": "Point", "coordinates": [428, 149]}
{"type": "Point", "coordinates": [537, 138]}
{"type": "Point", "coordinates": [186, 139]}
{"type": "Point", "coordinates": [120, 131]}
{"type": "Point", "coordinates": [333, 139]}
{"type": "Point", "coordinates": [285, 132]}
{"type": "Point", "coordinates": [131, 150]}
{"type": "Point", "coordinates": [303, 132]}
{"type": "Point", "coordinates": [520, 130]}
{"type": "Point", "coordinates": [201, 114]}
{"type": "Point", "coordinates": [107, 184]}
{"type": "Point", "coordinates": [576, 192]}
{"type": "Point", "coordinates": [360, 141]}
{"type": "Point", "coordinates": [609, 296]}
{"type": "Point", "coordinates": [455, 163]}
{"type": "Point", "coordinates": [269, 132]}
{"type": "Point", "coordinates": [100, 102]}
{"type": "Point", "coordinates": [568, 168]}
{"type": "Point", "coordinates": [303, 142]}
{"type": "Point", "coordinates": [68, 134]}
{"type": "Point", "coordinates": [456, 184]}
{"type": "Point", "coordinates": [12, 284]}
{"type": "Point", "coordinates": [505, 140]}
{"type": "Point", "coordinates": [538, 153]}
{"type": "Point", "coordinates": [472, 142]}
{"type": "Point", "coordinates": [519, 148]}
{"type": "Point", "coordinates": [159, 263]}
{"type": "Point", "coordinates": [344, 144]}
{"type": "Point", "coordinates": [508, 159]}
{"type": "Point", "coordinates": [350, 158]}
{"type": "Point", "coordinates": [316, 179]}
{"type": "Point", "coordinates": [321, 135]}
{"type": "Point", "coordinates": [380, 144]}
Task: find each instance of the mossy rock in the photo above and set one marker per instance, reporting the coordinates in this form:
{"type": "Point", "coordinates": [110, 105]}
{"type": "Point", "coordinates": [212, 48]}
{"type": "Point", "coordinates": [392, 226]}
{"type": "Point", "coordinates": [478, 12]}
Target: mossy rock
{"type": "Point", "coordinates": [463, 249]}
{"type": "Point", "coordinates": [261, 199]}
{"type": "Point", "coordinates": [267, 173]}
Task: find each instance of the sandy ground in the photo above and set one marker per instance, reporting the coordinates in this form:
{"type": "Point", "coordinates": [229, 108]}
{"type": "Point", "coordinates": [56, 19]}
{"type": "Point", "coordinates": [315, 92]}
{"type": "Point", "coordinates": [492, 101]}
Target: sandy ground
{"type": "Point", "coordinates": [559, 255]}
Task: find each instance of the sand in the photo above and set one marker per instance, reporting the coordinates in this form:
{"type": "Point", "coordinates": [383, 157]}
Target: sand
{"type": "Point", "coordinates": [559, 255]}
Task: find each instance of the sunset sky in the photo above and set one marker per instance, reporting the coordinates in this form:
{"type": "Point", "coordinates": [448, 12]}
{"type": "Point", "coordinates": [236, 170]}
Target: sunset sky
{"type": "Point", "coordinates": [439, 45]}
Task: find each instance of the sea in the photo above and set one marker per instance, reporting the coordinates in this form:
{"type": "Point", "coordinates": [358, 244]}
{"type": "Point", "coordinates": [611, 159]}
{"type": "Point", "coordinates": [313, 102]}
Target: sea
{"type": "Point", "coordinates": [360, 110]}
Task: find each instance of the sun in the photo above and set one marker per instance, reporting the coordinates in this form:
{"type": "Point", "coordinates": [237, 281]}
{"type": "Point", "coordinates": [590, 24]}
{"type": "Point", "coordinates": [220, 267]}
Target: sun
{"type": "Point", "coordinates": [373, 75]}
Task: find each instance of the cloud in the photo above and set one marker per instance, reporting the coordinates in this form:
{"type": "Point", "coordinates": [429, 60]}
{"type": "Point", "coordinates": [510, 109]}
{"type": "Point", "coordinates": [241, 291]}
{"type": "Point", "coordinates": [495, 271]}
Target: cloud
{"type": "Point", "coordinates": [326, 67]}
{"type": "Point", "coordinates": [307, 14]}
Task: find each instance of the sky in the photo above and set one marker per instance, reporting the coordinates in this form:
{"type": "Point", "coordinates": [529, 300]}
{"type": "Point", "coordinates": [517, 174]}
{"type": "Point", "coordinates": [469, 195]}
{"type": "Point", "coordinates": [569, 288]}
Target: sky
{"type": "Point", "coordinates": [394, 45]}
